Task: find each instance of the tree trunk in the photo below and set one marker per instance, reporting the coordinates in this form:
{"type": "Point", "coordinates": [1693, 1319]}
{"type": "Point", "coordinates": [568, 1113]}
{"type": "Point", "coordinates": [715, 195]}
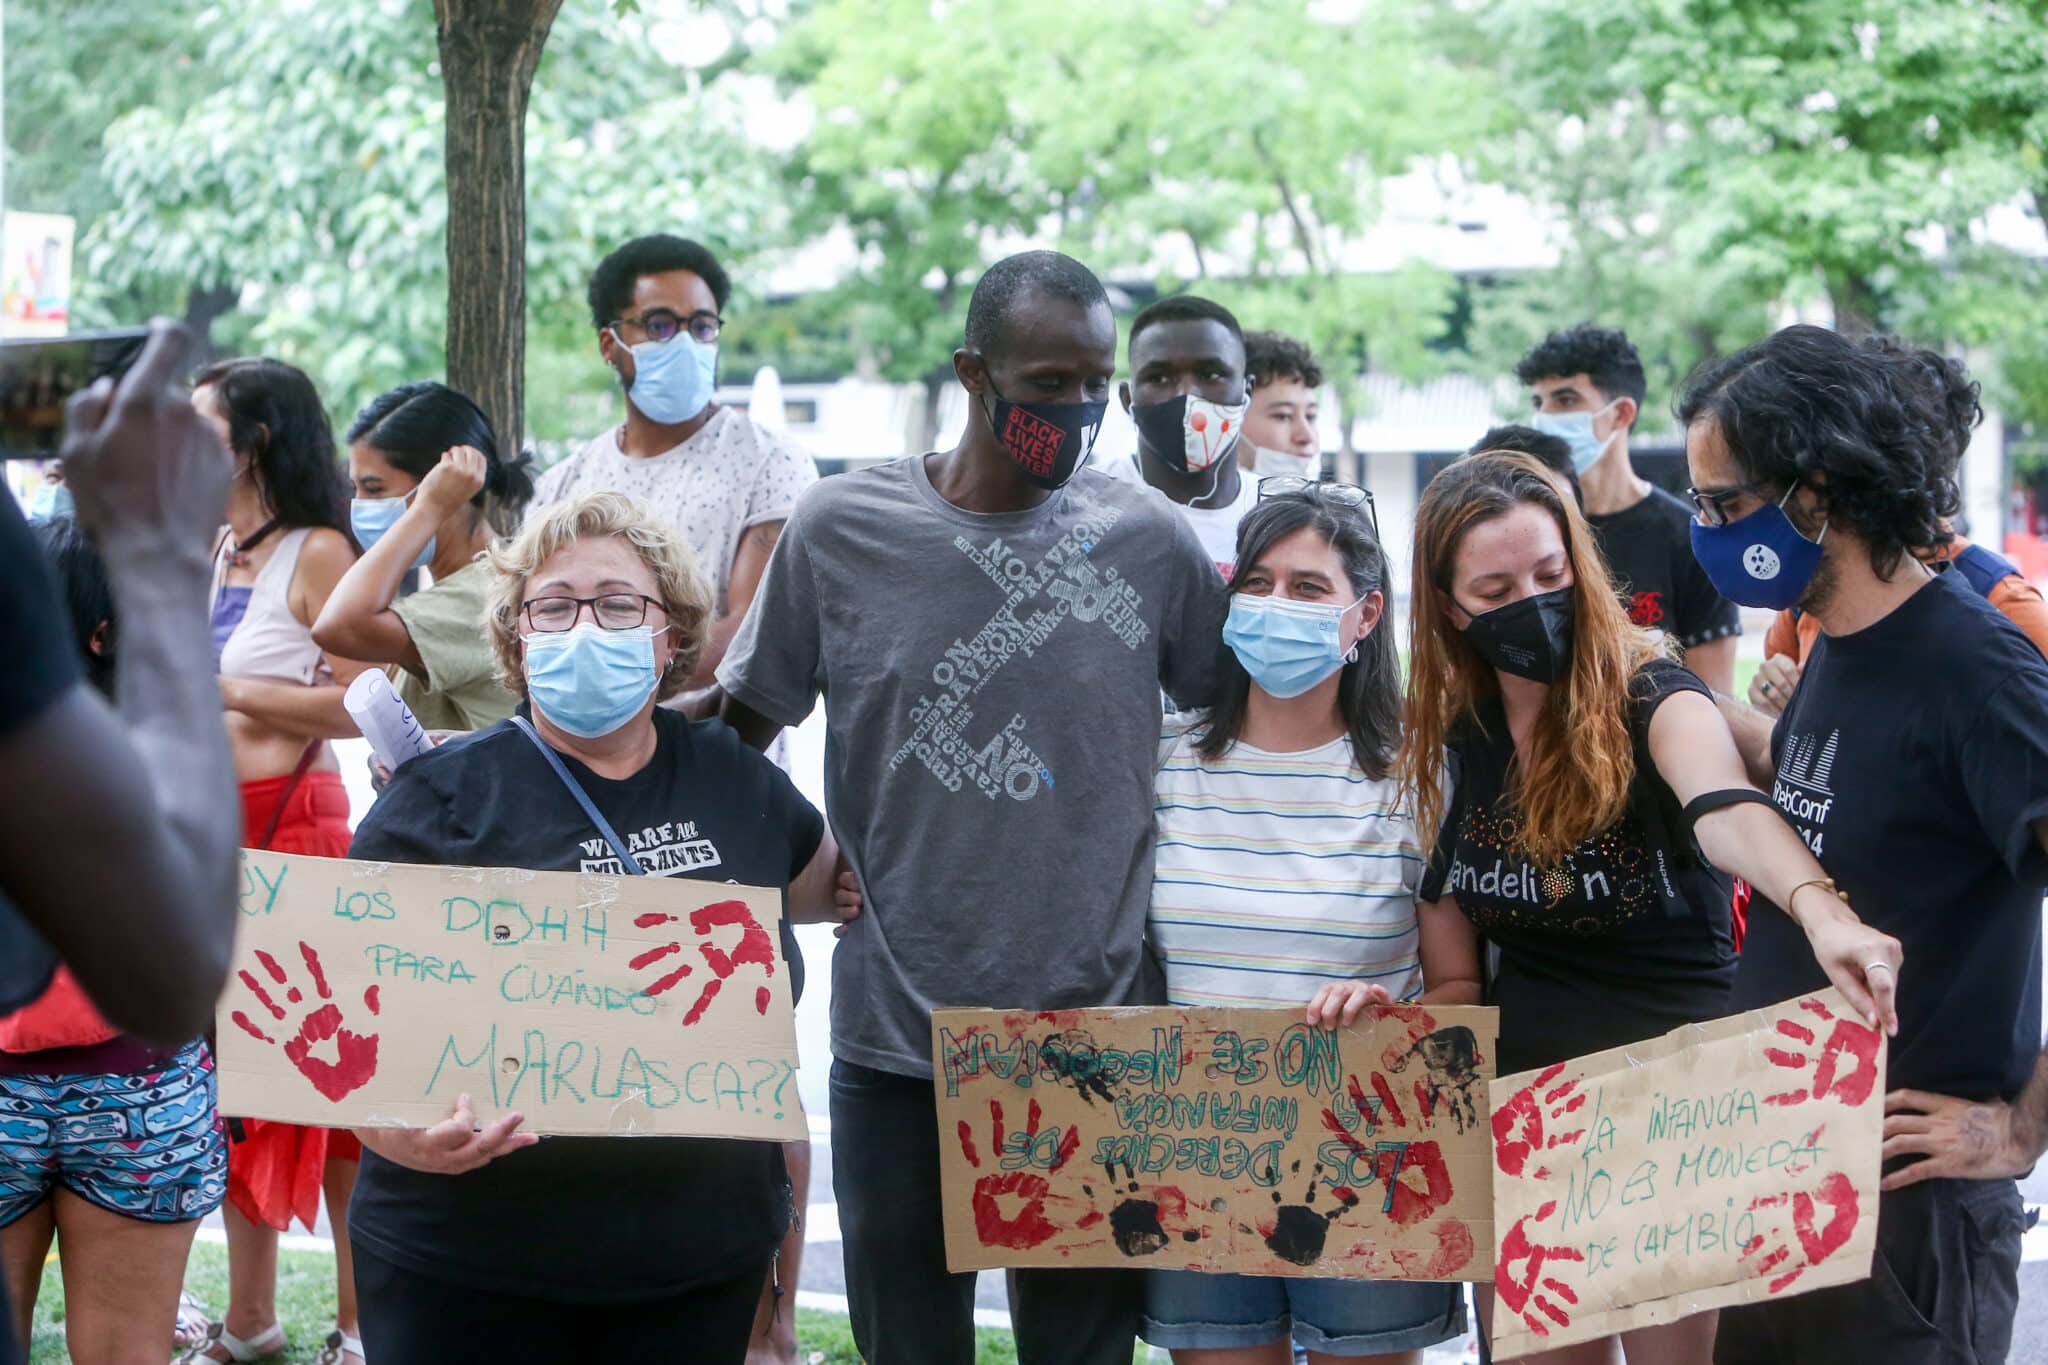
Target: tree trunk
{"type": "Point", "coordinates": [935, 385]}
{"type": "Point", "coordinates": [1350, 466]}
{"type": "Point", "coordinates": [205, 305]}
{"type": "Point", "coordinates": [489, 52]}
{"type": "Point", "coordinates": [1855, 302]}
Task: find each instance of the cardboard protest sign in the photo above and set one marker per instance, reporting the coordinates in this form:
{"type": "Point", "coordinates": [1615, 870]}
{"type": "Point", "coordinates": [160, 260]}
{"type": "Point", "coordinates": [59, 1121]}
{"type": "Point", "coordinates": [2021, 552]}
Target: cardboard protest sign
{"type": "Point", "coordinates": [1719, 1164]}
{"type": "Point", "coordinates": [1217, 1139]}
{"type": "Point", "coordinates": [369, 994]}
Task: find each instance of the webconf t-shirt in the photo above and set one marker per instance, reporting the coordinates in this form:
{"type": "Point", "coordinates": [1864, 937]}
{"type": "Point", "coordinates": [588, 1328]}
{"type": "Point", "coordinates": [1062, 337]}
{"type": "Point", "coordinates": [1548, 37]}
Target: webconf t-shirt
{"type": "Point", "coordinates": [1913, 760]}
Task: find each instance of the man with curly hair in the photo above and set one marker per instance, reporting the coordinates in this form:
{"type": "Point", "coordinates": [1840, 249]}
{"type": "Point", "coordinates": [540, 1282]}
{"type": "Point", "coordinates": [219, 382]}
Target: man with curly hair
{"type": "Point", "coordinates": [722, 479]}
{"type": "Point", "coordinates": [1913, 759]}
{"type": "Point", "coordinates": [1280, 435]}
{"type": "Point", "coordinates": [1792, 634]}
{"type": "Point", "coordinates": [1586, 385]}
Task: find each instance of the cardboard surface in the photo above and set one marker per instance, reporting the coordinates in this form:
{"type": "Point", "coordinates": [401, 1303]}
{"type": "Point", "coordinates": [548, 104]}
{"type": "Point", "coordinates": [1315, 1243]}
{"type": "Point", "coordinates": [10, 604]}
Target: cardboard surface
{"type": "Point", "coordinates": [1217, 1139]}
{"type": "Point", "coordinates": [1719, 1164]}
{"type": "Point", "coordinates": [370, 994]}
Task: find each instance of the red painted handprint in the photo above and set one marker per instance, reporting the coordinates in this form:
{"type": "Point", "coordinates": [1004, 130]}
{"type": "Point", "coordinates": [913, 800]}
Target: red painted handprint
{"type": "Point", "coordinates": [1419, 1185]}
{"type": "Point", "coordinates": [1523, 1294]}
{"type": "Point", "coordinates": [754, 946]}
{"type": "Point", "coordinates": [1847, 1066]}
{"type": "Point", "coordinates": [1023, 1192]}
{"type": "Point", "coordinates": [355, 1055]}
{"type": "Point", "coordinates": [1521, 1127]}
{"type": "Point", "coordinates": [1823, 1220]}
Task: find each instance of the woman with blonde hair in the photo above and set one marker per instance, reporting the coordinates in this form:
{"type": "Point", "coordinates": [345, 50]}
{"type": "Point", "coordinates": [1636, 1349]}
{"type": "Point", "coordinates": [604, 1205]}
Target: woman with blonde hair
{"type": "Point", "coordinates": [484, 1244]}
{"type": "Point", "coordinates": [1576, 787]}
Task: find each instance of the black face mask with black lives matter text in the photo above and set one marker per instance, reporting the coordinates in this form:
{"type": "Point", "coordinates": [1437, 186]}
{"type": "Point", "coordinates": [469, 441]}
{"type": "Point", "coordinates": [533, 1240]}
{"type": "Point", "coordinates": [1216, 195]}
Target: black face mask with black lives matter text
{"type": "Point", "coordinates": [1049, 441]}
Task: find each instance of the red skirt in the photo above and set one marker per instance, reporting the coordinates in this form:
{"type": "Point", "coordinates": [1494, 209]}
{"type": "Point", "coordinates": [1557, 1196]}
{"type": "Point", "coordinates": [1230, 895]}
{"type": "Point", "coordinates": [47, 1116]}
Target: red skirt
{"type": "Point", "coordinates": [274, 1169]}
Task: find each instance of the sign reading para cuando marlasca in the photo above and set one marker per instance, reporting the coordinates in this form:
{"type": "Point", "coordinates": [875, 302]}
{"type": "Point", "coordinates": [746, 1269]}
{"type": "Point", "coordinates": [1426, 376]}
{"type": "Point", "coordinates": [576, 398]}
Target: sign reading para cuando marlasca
{"type": "Point", "coordinates": [367, 994]}
{"type": "Point", "coordinates": [1217, 1139]}
{"type": "Point", "coordinates": [1722, 1163]}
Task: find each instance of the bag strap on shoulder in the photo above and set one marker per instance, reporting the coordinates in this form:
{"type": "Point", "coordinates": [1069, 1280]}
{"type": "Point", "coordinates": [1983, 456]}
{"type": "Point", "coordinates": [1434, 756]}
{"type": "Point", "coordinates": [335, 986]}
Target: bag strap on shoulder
{"type": "Point", "coordinates": [1983, 569]}
{"type": "Point", "coordinates": [604, 826]}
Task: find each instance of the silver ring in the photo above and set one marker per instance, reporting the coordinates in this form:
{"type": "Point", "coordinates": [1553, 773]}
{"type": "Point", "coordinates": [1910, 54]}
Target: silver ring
{"type": "Point", "coordinates": [1766, 688]}
{"type": "Point", "coordinates": [1870, 967]}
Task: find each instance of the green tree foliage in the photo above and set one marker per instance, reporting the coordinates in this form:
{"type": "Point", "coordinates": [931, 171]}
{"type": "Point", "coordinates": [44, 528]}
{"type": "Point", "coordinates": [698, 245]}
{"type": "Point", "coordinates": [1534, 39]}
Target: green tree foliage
{"type": "Point", "coordinates": [1243, 132]}
{"type": "Point", "coordinates": [922, 155]}
{"type": "Point", "coordinates": [307, 175]}
{"type": "Point", "coordinates": [1708, 162]}
{"type": "Point", "coordinates": [1749, 152]}
{"type": "Point", "coordinates": [1260, 132]}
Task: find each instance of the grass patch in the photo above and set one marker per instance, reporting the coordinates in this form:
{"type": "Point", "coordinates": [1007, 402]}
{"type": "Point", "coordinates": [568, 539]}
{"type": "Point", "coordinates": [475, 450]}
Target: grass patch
{"type": "Point", "coordinates": [1745, 669]}
{"type": "Point", "coordinates": [305, 1303]}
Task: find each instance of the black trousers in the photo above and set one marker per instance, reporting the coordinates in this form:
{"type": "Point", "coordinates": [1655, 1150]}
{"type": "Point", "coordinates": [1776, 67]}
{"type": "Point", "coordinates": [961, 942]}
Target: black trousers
{"type": "Point", "coordinates": [908, 1309]}
{"type": "Point", "coordinates": [412, 1319]}
{"type": "Point", "coordinates": [1943, 1288]}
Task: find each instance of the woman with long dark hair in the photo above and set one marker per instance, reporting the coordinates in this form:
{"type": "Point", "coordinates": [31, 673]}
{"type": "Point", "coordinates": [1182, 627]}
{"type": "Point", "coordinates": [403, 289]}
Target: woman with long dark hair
{"type": "Point", "coordinates": [1591, 784]}
{"type": "Point", "coordinates": [425, 465]}
{"type": "Point", "coordinates": [1285, 874]}
{"type": "Point", "coordinates": [285, 547]}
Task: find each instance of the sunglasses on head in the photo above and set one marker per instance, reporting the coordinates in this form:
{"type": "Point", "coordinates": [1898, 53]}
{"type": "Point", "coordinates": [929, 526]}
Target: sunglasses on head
{"type": "Point", "coordinates": [1316, 490]}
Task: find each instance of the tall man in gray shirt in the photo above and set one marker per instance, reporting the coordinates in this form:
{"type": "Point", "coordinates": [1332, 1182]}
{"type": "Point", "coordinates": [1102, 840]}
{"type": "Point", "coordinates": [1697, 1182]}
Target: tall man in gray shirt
{"type": "Point", "coordinates": [990, 627]}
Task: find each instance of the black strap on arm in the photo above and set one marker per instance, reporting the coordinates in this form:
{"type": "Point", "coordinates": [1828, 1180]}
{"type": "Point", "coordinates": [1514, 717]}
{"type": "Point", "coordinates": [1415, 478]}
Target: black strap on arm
{"type": "Point", "coordinates": [1708, 802]}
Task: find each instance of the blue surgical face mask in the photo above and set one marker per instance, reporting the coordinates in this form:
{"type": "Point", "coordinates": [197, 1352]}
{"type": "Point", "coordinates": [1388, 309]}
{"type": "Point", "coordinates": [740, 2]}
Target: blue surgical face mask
{"type": "Point", "coordinates": [673, 379]}
{"type": "Point", "coordinates": [1286, 646]}
{"type": "Point", "coordinates": [1760, 560]}
{"type": "Point", "coordinates": [51, 501]}
{"type": "Point", "coordinates": [370, 518]}
{"type": "Point", "coordinates": [588, 681]}
{"type": "Point", "coordinates": [1575, 429]}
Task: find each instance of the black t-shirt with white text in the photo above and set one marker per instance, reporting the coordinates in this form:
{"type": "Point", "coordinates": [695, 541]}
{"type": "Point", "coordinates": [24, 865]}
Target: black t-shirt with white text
{"type": "Point", "coordinates": [1649, 551]}
{"type": "Point", "coordinates": [1628, 938]}
{"type": "Point", "coordinates": [1913, 759]}
{"type": "Point", "coordinates": [591, 1220]}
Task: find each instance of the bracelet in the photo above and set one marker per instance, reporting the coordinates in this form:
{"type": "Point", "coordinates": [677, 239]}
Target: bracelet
{"type": "Point", "coordinates": [1826, 883]}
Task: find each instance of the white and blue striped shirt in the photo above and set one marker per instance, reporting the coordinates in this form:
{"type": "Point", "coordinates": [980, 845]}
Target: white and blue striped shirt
{"type": "Point", "coordinates": [1277, 874]}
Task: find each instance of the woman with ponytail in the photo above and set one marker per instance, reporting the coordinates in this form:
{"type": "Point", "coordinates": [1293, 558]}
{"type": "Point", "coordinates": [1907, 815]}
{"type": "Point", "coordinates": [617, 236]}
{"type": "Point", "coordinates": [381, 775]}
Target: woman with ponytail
{"type": "Point", "coordinates": [425, 464]}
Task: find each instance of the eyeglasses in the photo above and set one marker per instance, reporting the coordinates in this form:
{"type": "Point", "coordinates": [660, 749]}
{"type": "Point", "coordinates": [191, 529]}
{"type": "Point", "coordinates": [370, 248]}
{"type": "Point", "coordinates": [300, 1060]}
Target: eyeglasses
{"type": "Point", "coordinates": [662, 324]}
{"type": "Point", "coordinates": [1710, 505]}
{"type": "Point", "coordinates": [612, 611]}
{"type": "Point", "coordinates": [1317, 490]}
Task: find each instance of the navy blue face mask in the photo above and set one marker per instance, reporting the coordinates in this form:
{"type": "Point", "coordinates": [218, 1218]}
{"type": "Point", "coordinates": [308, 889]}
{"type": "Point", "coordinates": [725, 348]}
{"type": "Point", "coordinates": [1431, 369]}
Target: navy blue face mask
{"type": "Point", "coordinates": [1760, 560]}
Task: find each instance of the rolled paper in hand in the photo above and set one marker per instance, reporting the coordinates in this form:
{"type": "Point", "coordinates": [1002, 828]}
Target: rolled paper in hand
{"type": "Point", "coordinates": [394, 732]}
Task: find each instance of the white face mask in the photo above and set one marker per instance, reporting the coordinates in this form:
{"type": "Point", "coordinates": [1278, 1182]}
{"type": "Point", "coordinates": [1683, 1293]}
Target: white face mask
{"type": "Point", "coordinates": [1268, 463]}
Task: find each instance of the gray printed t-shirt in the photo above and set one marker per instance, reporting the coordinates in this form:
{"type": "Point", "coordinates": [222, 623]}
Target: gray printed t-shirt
{"type": "Point", "coordinates": [991, 688]}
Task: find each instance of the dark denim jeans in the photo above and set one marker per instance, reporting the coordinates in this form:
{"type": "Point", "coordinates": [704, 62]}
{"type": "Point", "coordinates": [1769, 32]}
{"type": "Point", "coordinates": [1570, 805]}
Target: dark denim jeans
{"type": "Point", "coordinates": [1943, 1288]}
{"type": "Point", "coordinates": [908, 1309]}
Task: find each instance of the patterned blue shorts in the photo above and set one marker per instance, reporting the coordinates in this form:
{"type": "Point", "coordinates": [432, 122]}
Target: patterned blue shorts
{"type": "Point", "coordinates": [147, 1146]}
